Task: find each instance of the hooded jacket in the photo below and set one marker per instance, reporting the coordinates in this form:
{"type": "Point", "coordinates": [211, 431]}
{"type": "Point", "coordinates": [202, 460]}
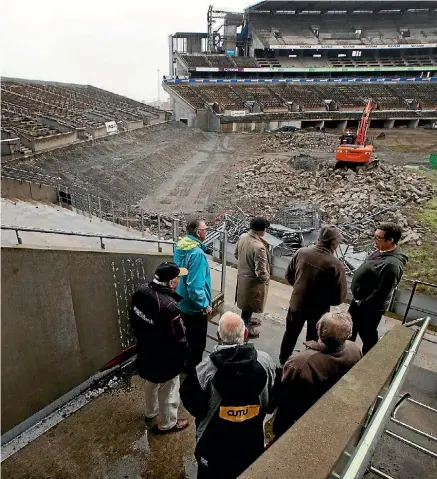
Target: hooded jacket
{"type": "Point", "coordinates": [375, 280]}
{"type": "Point", "coordinates": [307, 376]}
{"type": "Point", "coordinates": [195, 287]}
{"type": "Point", "coordinates": [162, 347]}
{"type": "Point", "coordinates": [229, 397]}
{"type": "Point", "coordinates": [318, 279]}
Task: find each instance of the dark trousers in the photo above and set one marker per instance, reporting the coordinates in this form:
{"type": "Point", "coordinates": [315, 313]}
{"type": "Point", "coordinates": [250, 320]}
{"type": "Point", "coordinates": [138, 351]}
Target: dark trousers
{"type": "Point", "coordinates": [293, 327]}
{"type": "Point", "coordinates": [365, 323]}
{"type": "Point", "coordinates": [246, 316]}
{"type": "Point", "coordinates": [196, 326]}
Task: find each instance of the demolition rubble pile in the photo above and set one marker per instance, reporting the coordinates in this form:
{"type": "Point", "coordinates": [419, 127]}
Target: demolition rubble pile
{"type": "Point", "coordinates": [310, 141]}
{"type": "Point", "coordinates": [353, 201]}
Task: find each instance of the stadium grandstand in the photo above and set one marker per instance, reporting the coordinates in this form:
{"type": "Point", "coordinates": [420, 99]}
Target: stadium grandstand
{"type": "Point", "coordinates": [313, 63]}
{"type": "Point", "coordinates": [37, 115]}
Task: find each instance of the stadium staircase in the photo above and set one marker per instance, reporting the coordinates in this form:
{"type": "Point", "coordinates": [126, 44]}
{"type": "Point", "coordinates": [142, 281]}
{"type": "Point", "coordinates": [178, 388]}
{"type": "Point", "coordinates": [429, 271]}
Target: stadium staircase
{"type": "Point", "coordinates": [48, 216]}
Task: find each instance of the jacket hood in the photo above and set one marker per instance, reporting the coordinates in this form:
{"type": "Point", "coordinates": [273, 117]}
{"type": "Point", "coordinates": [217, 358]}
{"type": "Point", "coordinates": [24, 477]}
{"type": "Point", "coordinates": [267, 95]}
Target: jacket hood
{"type": "Point", "coordinates": [397, 254]}
{"type": "Point", "coordinates": [234, 357]}
{"type": "Point", "coordinates": [188, 242]}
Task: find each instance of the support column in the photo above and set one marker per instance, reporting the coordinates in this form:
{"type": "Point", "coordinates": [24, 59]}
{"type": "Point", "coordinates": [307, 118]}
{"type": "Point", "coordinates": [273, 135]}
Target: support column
{"type": "Point", "coordinates": [342, 125]}
{"type": "Point", "coordinates": [389, 124]}
{"type": "Point", "coordinates": [413, 123]}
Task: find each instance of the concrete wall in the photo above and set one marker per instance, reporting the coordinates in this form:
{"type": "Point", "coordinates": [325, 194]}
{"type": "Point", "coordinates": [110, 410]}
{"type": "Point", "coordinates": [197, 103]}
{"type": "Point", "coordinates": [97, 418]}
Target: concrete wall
{"type": "Point", "coordinates": [207, 121]}
{"type": "Point", "coordinates": [134, 125]}
{"type": "Point", "coordinates": [28, 191]}
{"type": "Point", "coordinates": [182, 111]}
{"type": "Point", "coordinates": [313, 447]}
{"type": "Point", "coordinates": [56, 141]}
{"type": "Point", "coordinates": [97, 132]}
{"type": "Point", "coordinates": [64, 315]}
{"type": "Point", "coordinates": [249, 125]}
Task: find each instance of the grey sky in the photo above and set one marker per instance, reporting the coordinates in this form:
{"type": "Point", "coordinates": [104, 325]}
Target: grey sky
{"type": "Point", "coordinates": [116, 45]}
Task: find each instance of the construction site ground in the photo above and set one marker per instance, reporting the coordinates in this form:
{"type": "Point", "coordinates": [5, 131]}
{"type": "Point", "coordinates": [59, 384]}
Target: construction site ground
{"type": "Point", "coordinates": [108, 439]}
{"type": "Point", "coordinates": [172, 169]}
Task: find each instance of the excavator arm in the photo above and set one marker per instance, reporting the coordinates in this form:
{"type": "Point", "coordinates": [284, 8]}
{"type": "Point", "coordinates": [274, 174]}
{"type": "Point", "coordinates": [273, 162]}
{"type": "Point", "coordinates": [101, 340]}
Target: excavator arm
{"type": "Point", "coordinates": [364, 123]}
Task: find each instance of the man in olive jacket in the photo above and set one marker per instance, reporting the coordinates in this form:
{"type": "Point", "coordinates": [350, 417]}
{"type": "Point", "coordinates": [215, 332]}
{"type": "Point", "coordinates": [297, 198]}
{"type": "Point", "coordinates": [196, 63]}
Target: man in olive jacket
{"type": "Point", "coordinates": [319, 282]}
{"type": "Point", "coordinates": [252, 253]}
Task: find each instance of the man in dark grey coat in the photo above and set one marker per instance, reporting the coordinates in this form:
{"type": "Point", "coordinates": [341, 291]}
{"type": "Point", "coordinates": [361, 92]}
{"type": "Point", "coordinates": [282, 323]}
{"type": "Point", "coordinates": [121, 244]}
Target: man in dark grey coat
{"type": "Point", "coordinates": [319, 282]}
{"type": "Point", "coordinates": [374, 282]}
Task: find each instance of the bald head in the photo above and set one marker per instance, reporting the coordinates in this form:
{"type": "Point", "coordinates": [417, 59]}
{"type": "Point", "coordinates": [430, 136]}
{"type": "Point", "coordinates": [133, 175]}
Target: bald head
{"type": "Point", "coordinates": [231, 329]}
{"type": "Point", "coordinates": [334, 328]}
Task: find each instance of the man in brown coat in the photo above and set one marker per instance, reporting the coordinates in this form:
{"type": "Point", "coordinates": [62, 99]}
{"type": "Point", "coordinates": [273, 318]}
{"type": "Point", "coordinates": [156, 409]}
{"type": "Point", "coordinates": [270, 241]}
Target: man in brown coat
{"type": "Point", "coordinates": [319, 282]}
{"type": "Point", "coordinates": [307, 376]}
{"type": "Point", "coordinates": [252, 253]}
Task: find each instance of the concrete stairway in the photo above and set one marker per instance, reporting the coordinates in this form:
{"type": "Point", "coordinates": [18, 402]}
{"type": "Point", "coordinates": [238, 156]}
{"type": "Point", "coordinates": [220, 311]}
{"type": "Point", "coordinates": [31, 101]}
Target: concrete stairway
{"type": "Point", "coordinates": [50, 216]}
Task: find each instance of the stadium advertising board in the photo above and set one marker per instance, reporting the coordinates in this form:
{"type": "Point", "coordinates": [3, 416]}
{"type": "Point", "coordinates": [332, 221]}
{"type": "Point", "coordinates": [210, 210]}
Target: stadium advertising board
{"type": "Point", "coordinates": [304, 80]}
{"type": "Point", "coordinates": [111, 127]}
{"type": "Point", "coordinates": [321, 69]}
{"type": "Point", "coordinates": [392, 46]}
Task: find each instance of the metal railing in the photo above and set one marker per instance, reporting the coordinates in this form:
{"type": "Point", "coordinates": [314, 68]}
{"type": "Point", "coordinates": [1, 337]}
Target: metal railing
{"type": "Point", "coordinates": [117, 213]}
{"type": "Point", "coordinates": [358, 464]}
{"type": "Point", "coordinates": [413, 292]}
{"type": "Point", "coordinates": [101, 236]}
{"type": "Point", "coordinates": [219, 233]}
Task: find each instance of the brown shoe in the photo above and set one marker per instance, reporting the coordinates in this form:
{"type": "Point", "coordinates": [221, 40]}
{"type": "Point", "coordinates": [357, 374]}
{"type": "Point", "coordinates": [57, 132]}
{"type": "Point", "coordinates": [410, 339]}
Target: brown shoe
{"type": "Point", "coordinates": [255, 322]}
{"type": "Point", "coordinates": [252, 332]}
{"type": "Point", "coordinates": [179, 426]}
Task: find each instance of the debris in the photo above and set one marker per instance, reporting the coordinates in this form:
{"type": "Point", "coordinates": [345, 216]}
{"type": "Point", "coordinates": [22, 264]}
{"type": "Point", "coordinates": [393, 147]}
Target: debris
{"type": "Point", "coordinates": [311, 141]}
{"type": "Point", "coordinates": [354, 202]}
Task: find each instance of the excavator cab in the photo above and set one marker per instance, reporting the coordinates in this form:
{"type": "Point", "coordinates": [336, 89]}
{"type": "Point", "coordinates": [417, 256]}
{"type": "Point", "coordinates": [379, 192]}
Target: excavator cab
{"type": "Point", "coordinates": [348, 137]}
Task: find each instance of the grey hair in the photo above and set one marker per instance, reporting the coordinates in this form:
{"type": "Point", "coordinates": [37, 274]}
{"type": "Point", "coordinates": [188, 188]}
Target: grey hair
{"type": "Point", "coordinates": [335, 327]}
{"type": "Point", "coordinates": [231, 328]}
{"type": "Point", "coordinates": [193, 226]}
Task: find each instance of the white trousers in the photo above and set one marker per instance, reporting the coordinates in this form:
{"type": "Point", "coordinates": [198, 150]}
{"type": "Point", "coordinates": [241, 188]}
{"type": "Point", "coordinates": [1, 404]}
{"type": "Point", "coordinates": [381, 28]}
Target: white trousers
{"type": "Point", "coordinates": [162, 400]}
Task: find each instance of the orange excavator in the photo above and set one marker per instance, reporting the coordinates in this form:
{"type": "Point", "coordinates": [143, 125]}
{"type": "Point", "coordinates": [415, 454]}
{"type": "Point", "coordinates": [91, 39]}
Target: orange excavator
{"type": "Point", "coordinates": [354, 150]}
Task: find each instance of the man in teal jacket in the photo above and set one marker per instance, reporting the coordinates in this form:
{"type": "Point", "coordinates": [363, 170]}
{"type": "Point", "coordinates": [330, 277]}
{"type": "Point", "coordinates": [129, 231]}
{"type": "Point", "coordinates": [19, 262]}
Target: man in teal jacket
{"type": "Point", "coordinates": [195, 288]}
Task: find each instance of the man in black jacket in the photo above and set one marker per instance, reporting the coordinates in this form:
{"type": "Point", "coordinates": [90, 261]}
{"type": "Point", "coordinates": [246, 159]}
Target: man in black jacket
{"type": "Point", "coordinates": [162, 346]}
{"type": "Point", "coordinates": [374, 282]}
{"type": "Point", "coordinates": [229, 396]}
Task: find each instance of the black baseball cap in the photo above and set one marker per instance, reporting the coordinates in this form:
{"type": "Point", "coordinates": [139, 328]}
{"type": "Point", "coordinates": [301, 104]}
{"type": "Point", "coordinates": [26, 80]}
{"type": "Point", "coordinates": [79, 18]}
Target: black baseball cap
{"type": "Point", "coordinates": [259, 224]}
{"type": "Point", "coordinates": [167, 271]}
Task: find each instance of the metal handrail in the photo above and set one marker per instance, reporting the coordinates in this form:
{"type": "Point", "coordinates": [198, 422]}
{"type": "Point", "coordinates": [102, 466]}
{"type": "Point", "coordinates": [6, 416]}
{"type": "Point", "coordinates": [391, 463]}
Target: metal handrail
{"type": "Point", "coordinates": [357, 466]}
{"type": "Point", "coordinates": [413, 292]}
{"type": "Point", "coordinates": [101, 236]}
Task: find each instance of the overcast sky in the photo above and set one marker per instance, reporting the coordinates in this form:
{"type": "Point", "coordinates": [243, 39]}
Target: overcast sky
{"type": "Point", "coordinates": [115, 45]}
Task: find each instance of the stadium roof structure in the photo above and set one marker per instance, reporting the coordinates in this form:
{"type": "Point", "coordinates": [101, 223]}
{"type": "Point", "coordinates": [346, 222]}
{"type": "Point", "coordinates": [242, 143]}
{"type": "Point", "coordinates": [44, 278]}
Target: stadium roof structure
{"type": "Point", "coordinates": [297, 6]}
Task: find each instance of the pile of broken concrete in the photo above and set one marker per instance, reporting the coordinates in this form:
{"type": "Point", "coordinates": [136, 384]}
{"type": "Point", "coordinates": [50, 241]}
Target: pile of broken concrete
{"type": "Point", "coordinates": [354, 201]}
{"type": "Point", "coordinates": [310, 141]}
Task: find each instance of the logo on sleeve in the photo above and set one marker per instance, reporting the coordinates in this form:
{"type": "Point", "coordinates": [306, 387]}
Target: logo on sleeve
{"type": "Point", "coordinates": [238, 413]}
